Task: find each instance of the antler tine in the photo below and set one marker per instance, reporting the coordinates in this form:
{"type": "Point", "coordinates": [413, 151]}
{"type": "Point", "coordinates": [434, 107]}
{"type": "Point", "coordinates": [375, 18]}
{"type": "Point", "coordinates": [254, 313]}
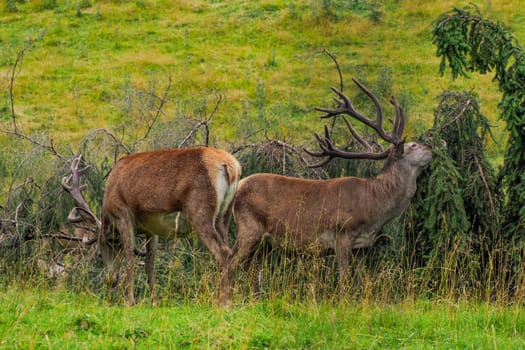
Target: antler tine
{"type": "Point", "coordinates": [71, 184]}
{"type": "Point", "coordinates": [395, 137]}
{"type": "Point", "coordinates": [319, 155]}
{"type": "Point", "coordinates": [328, 149]}
{"type": "Point", "coordinates": [399, 122]}
{"type": "Point", "coordinates": [325, 144]}
{"type": "Point", "coordinates": [321, 163]}
{"type": "Point", "coordinates": [65, 183]}
{"type": "Point", "coordinates": [379, 110]}
{"type": "Point", "coordinates": [344, 106]}
{"type": "Point", "coordinates": [73, 217]}
{"type": "Point", "coordinates": [357, 136]}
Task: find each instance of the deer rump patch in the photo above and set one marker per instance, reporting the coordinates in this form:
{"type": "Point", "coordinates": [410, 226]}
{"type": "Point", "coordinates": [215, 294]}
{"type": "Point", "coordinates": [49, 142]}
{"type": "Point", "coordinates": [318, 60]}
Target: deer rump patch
{"type": "Point", "coordinates": [225, 185]}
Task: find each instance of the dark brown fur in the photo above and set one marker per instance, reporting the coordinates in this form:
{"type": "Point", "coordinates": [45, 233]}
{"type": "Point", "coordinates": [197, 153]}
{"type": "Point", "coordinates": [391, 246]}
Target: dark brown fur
{"type": "Point", "coordinates": [343, 213]}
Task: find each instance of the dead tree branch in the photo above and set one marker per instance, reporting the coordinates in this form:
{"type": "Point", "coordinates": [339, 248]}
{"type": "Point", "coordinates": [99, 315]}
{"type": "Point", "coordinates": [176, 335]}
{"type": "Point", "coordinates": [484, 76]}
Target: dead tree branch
{"type": "Point", "coordinates": [158, 112]}
{"type": "Point", "coordinates": [14, 129]}
{"type": "Point", "coordinates": [203, 123]}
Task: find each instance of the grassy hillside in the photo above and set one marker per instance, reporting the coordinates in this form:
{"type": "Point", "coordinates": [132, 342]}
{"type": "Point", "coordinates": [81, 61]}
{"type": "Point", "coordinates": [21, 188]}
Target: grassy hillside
{"type": "Point", "coordinates": [262, 57]}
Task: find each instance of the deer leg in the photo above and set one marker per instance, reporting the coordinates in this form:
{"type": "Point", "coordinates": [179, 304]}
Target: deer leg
{"type": "Point", "coordinates": [221, 252]}
{"type": "Point", "coordinates": [213, 241]}
{"type": "Point", "coordinates": [127, 239]}
{"type": "Point", "coordinates": [151, 248]}
{"type": "Point", "coordinates": [249, 235]}
{"type": "Point", "coordinates": [342, 254]}
{"type": "Point", "coordinates": [108, 252]}
{"type": "Point", "coordinates": [223, 224]}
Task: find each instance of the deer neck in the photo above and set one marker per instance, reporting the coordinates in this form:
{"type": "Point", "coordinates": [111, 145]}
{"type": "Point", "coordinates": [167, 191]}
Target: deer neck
{"type": "Point", "coordinates": [398, 182]}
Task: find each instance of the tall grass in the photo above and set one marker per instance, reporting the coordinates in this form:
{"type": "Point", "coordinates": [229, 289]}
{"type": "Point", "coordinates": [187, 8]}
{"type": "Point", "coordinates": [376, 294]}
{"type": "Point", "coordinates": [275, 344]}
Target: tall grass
{"type": "Point", "coordinates": [186, 273]}
{"type": "Point", "coordinates": [388, 272]}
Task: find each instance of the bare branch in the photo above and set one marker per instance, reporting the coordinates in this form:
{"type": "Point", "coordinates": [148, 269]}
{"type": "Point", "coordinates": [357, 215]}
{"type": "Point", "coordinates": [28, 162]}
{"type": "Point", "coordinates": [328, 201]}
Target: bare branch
{"type": "Point", "coordinates": [192, 132]}
{"type": "Point", "coordinates": [341, 86]}
{"type": "Point", "coordinates": [203, 123]}
{"type": "Point", "coordinates": [48, 147]}
{"type": "Point", "coordinates": [487, 188]}
{"type": "Point", "coordinates": [337, 67]}
{"type": "Point", "coordinates": [158, 112]}
{"type": "Point", "coordinates": [15, 69]}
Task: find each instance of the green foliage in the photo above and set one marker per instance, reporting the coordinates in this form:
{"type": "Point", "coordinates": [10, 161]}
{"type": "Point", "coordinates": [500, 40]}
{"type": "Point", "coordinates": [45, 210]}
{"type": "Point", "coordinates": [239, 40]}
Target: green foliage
{"type": "Point", "coordinates": [460, 123]}
{"type": "Point", "coordinates": [469, 42]}
{"type": "Point", "coordinates": [438, 206]}
{"type": "Point", "coordinates": [263, 58]}
{"type": "Point", "coordinates": [454, 221]}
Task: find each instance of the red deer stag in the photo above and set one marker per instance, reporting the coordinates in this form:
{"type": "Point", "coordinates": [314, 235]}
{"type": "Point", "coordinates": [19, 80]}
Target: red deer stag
{"type": "Point", "coordinates": [146, 192]}
{"type": "Point", "coordinates": [342, 213]}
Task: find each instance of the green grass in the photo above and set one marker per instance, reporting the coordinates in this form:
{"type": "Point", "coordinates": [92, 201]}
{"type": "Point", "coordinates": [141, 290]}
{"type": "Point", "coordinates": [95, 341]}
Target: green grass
{"type": "Point", "coordinates": [74, 78]}
{"type": "Point", "coordinates": [34, 318]}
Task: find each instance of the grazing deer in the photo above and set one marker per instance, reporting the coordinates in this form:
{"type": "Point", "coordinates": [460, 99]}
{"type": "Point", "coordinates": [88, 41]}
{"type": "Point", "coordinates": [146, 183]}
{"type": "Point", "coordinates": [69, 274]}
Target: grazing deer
{"type": "Point", "coordinates": [158, 193]}
{"type": "Point", "coordinates": [342, 213]}
{"type": "Point", "coordinates": [147, 191]}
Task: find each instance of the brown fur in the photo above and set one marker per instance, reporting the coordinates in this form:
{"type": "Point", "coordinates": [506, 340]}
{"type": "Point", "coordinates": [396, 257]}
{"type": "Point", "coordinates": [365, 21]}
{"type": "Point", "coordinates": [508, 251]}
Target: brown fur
{"type": "Point", "coordinates": [147, 192]}
{"type": "Point", "coordinates": [342, 213]}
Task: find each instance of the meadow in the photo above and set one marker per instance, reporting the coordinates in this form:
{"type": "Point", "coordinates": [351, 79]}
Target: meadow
{"type": "Point", "coordinates": [36, 319]}
{"type": "Point", "coordinates": [106, 78]}
{"type": "Point", "coordinates": [265, 58]}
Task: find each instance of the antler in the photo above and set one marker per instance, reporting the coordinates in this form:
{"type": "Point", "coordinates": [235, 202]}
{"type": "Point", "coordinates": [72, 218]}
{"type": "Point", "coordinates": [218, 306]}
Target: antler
{"type": "Point", "coordinates": [72, 184]}
{"type": "Point", "coordinates": [344, 106]}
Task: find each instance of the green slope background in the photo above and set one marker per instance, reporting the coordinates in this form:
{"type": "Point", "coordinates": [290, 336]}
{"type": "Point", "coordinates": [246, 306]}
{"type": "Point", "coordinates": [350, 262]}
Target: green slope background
{"type": "Point", "coordinates": [264, 58]}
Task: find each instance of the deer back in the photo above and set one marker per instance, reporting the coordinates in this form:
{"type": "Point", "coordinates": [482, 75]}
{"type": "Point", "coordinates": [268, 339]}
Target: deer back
{"type": "Point", "coordinates": [300, 208]}
{"type": "Point", "coordinates": [168, 181]}
{"type": "Point", "coordinates": [303, 209]}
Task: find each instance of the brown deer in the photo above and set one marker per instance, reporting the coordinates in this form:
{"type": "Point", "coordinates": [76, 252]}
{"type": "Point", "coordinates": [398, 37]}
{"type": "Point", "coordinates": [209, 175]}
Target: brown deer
{"type": "Point", "coordinates": [342, 213]}
{"type": "Point", "coordinates": [158, 193]}
{"type": "Point", "coordinates": [147, 192]}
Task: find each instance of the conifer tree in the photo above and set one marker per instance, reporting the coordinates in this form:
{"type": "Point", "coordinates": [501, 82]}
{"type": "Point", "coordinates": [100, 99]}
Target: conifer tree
{"type": "Point", "coordinates": [467, 42]}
